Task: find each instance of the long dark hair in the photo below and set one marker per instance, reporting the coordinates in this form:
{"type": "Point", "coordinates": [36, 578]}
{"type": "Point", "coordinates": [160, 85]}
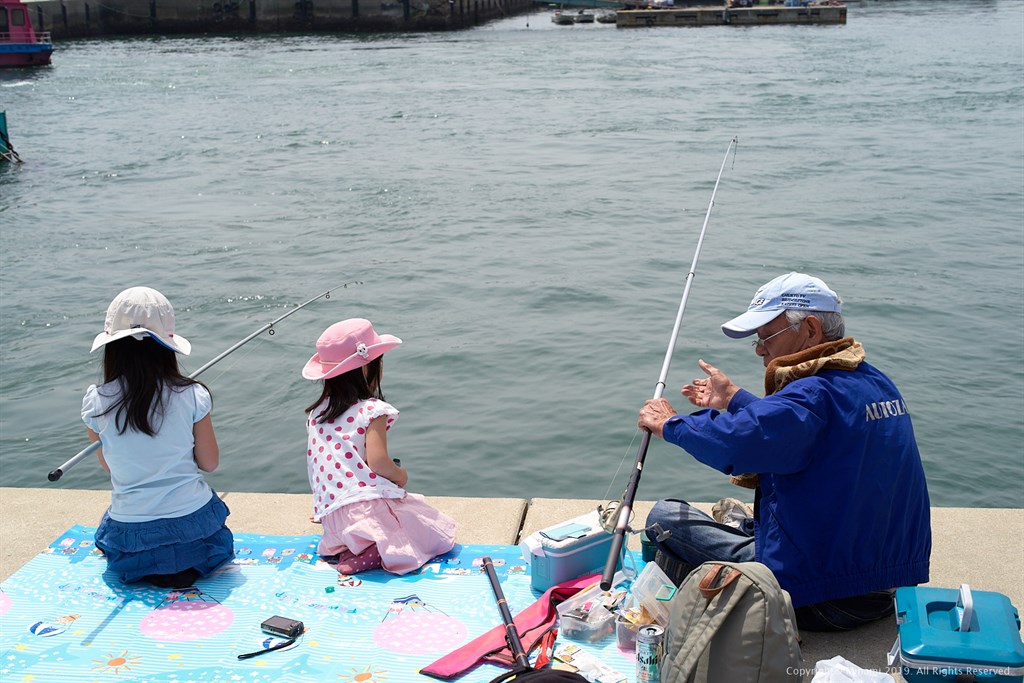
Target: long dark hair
{"type": "Point", "coordinates": [144, 367]}
{"type": "Point", "coordinates": [344, 390]}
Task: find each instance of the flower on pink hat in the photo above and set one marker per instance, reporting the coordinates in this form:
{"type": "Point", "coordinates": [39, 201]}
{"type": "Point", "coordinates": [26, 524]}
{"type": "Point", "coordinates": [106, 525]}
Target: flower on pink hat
{"type": "Point", "coordinates": [345, 346]}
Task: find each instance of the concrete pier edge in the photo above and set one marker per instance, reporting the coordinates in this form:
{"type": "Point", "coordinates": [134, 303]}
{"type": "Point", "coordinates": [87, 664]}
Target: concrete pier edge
{"type": "Point", "coordinates": [982, 547]}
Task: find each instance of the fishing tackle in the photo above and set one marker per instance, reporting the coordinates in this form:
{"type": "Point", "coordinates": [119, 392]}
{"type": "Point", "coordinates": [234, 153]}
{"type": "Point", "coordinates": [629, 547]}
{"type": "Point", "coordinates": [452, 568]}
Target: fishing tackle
{"type": "Point", "coordinates": [623, 510]}
{"type": "Point", "coordinates": [515, 645]}
{"type": "Point", "coordinates": [81, 455]}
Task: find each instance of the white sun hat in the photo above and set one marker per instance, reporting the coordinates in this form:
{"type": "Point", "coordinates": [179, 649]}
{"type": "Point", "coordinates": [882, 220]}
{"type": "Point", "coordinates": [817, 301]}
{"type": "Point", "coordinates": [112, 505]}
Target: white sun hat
{"type": "Point", "coordinates": [138, 312]}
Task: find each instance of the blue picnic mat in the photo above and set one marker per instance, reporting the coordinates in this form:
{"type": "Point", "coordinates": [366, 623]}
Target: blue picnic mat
{"type": "Point", "coordinates": [64, 618]}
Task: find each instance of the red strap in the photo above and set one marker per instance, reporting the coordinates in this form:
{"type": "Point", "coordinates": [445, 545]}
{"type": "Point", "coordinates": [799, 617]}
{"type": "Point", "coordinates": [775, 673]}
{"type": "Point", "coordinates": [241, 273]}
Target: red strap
{"type": "Point", "coordinates": [547, 643]}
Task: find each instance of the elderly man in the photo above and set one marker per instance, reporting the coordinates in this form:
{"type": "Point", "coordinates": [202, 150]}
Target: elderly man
{"type": "Point", "coordinates": [841, 506]}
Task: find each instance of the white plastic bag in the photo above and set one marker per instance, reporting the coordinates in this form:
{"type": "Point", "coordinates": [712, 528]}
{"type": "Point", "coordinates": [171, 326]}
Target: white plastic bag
{"type": "Point", "coordinates": [839, 670]}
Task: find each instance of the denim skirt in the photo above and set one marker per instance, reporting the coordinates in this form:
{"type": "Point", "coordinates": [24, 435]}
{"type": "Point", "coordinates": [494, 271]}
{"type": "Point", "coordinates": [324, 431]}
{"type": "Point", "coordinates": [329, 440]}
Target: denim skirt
{"type": "Point", "coordinates": [199, 540]}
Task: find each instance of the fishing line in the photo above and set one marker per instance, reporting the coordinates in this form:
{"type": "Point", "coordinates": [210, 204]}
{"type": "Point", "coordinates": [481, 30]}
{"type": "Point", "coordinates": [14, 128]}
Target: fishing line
{"type": "Point", "coordinates": [239, 359]}
{"type": "Point", "coordinates": [618, 469]}
{"type": "Point", "coordinates": [623, 509]}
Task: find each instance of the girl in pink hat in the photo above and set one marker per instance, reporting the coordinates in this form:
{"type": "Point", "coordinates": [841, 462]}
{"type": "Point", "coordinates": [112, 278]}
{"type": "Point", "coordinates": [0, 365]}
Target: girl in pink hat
{"type": "Point", "coordinates": [368, 517]}
{"type": "Point", "coordinates": [165, 525]}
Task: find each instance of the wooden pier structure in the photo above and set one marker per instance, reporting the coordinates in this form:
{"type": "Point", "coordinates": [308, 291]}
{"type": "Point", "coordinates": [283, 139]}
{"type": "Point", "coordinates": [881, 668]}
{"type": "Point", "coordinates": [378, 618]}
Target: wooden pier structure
{"type": "Point", "coordinates": [758, 15]}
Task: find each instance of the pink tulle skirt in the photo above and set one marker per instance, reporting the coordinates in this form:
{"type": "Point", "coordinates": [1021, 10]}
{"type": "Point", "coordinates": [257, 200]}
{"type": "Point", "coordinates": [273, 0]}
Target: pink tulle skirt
{"type": "Point", "coordinates": [408, 532]}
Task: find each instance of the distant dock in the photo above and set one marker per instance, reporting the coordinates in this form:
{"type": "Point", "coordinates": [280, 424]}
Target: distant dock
{"type": "Point", "coordinates": [90, 18]}
{"type": "Point", "coordinates": [758, 15]}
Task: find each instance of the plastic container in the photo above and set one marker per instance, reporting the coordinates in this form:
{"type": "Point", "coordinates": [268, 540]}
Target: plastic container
{"type": "Point", "coordinates": [585, 617]}
{"type": "Point", "coordinates": [625, 634]}
{"type": "Point", "coordinates": [653, 589]}
{"type": "Point", "coordinates": [566, 551]}
{"type": "Point", "coordinates": [945, 635]}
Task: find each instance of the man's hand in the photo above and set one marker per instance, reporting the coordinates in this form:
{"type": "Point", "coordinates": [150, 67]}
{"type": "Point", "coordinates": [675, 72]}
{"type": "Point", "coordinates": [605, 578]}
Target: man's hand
{"type": "Point", "coordinates": [714, 392]}
{"type": "Point", "coordinates": [654, 414]}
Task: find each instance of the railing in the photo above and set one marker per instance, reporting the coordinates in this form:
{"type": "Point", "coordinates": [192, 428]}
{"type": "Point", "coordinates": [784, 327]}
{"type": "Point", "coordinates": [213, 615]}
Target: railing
{"type": "Point", "coordinates": [43, 37]}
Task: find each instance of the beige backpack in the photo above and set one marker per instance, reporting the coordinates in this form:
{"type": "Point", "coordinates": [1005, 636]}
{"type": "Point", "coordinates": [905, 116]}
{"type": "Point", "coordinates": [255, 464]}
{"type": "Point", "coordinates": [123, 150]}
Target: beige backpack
{"type": "Point", "coordinates": [731, 622]}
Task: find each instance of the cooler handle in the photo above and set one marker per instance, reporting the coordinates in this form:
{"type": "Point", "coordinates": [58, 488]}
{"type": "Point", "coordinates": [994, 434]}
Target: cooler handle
{"type": "Point", "coordinates": [894, 652]}
{"type": "Point", "coordinates": [965, 608]}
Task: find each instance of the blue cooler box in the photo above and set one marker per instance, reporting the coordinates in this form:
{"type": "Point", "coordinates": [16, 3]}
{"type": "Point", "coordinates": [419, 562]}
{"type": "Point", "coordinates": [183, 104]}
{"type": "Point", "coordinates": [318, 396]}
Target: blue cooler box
{"type": "Point", "coordinates": [951, 636]}
{"type": "Point", "coordinates": [566, 551]}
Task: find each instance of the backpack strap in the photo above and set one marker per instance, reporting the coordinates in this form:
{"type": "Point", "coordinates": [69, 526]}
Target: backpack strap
{"type": "Point", "coordinates": [715, 583]}
{"type": "Point", "coordinates": [716, 579]}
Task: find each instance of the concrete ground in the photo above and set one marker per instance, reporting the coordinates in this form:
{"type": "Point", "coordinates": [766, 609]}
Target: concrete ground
{"type": "Point", "coordinates": [980, 547]}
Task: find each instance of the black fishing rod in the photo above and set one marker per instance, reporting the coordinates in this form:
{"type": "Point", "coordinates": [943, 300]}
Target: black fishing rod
{"type": "Point", "coordinates": [624, 509]}
{"type": "Point", "coordinates": [515, 645]}
{"type": "Point", "coordinates": [81, 455]}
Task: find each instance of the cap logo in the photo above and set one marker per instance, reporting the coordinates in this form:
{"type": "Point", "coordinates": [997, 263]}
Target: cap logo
{"type": "Point", "coordinates": [361, 350]}
{"type": "Point", "coordinates": [757, 302]}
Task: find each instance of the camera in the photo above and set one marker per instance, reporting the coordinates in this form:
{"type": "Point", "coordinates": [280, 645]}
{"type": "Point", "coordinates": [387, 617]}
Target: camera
{"type": "Point", "coordinates": [283, 627]}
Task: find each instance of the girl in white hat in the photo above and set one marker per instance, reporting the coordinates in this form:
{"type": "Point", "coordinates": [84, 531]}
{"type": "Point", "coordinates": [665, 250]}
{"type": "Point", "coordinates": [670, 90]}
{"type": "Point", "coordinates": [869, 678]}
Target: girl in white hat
{"type": "Point", "coordinates": [369, 519]}
{"type": "Point", "coordinates": [165, 525]}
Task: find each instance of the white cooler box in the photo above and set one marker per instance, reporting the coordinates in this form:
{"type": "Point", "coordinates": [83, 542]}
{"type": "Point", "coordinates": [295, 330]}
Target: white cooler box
{"type": "Point", "coordinates": [566, 551]}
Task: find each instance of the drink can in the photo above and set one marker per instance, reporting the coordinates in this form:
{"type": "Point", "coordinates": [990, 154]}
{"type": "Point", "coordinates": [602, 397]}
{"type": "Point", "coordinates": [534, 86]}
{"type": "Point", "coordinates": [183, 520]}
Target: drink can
{"type": "Point", "coordinates": [648, 653]}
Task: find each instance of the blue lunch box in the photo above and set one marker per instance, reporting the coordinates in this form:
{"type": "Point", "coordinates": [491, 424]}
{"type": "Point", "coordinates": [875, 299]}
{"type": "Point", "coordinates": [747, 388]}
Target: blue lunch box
{"type": "Point", "coordinates": [947, 635]}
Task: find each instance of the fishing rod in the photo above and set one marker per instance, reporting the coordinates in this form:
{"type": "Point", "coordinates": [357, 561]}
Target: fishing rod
{"type": "Point", "coordinates": [624, 509]}
{"type": "Point", "coordinates": [515, 645]}
{"type": "Point", "coordinates": [94, 446]}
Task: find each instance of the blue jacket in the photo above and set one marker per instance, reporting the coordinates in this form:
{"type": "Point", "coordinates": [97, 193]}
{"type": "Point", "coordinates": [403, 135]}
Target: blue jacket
{"type": "Point", "coordinates": [843, 505]}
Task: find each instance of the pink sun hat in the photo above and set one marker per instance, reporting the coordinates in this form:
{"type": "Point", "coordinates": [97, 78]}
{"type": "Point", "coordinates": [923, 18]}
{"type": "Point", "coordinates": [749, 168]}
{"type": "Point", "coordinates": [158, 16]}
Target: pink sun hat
{"type": "Point", "coordinates": [345, 346]}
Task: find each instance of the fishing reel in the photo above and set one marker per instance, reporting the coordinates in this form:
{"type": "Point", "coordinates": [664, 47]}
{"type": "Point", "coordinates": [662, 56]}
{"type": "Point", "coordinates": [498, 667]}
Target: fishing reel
{"type": "Point", "coordinates": [608, 515]}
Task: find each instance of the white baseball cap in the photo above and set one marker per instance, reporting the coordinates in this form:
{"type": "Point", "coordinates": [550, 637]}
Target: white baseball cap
{"type": "Point", "coordinates": [792, 291]}
{"type": "Point", "coordinates": [137, 312]}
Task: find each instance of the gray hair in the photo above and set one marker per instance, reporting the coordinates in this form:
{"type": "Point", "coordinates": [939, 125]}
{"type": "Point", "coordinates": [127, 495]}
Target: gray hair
{"type": "Point", "coordinates": [832, 324]}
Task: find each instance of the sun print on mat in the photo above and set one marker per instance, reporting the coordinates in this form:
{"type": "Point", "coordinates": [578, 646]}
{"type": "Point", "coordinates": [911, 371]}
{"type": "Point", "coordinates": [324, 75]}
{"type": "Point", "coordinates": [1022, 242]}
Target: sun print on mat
{"type": "Point", "coordinates": [186, 614]}
{"type": "Point", "coordinates": [369, 674]}
{"type": "Point", "coordinates": [114, 663]}
{"type": "Point", "coordinates": [413, 627]}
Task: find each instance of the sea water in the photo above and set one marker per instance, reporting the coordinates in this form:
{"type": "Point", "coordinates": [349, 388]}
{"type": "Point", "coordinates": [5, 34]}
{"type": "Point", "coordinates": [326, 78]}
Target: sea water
{"type": "Point", "coordinates": [521, 203]}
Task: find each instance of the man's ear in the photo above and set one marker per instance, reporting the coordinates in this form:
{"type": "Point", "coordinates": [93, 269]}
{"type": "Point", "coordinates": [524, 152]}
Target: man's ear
{"type": "Point", "coordinates": [814, 330]}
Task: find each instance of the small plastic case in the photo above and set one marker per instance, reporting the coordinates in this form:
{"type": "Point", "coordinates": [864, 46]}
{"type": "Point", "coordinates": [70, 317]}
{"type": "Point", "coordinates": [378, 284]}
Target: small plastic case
{"type": "Point", "coordinates": [586, 616]}
{"type": "Point", "coordinates": [653, 590]}
{"type": "Point", "coordinates": [625, 633]}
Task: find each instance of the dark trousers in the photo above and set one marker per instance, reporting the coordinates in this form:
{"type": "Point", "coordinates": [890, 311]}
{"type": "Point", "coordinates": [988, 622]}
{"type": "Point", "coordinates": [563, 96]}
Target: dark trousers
{"type": "Point", "coordinates": [694, 538]}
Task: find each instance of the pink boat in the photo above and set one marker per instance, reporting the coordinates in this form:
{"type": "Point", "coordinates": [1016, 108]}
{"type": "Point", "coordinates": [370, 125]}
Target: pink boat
{"type": "Point", "coordinates": [20, 45]}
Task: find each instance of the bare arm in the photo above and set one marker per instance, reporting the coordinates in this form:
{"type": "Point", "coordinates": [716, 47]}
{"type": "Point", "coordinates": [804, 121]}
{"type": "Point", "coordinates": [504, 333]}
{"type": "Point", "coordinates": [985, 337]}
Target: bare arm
{"type": "Point", "coordinates": [93, 438]}
{"type": "Point", "coordinates": [377, 453]}
{"type": "Point", "coordinates": [206, 452]}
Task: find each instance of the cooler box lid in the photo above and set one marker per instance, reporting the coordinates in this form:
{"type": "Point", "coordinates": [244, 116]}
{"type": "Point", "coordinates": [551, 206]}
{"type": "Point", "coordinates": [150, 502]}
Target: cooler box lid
{"type": "Point", "coordinates": [946, 625]}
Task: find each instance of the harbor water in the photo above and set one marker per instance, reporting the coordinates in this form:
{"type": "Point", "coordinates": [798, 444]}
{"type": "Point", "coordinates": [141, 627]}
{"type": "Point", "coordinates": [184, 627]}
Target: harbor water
{"type": "Point", "coordinates": [520, 203]}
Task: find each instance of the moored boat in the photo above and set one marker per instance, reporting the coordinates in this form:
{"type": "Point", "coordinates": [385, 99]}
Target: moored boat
{"type": "Point", "coordinates": [20, 44]}
{"type": "Point", "coordinates": [583, 17]}
{"type": "Point", "coordinates": [7, 152]}
{"type": "Point", "coordinates": [562, 18]}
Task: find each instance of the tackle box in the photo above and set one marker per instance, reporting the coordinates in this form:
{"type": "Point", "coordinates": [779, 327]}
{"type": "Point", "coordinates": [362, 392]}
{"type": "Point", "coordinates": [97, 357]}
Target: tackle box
{"type": "Point", "coordinates": [566, 551]}
{"type": "Point", "coordinates": [945, 635]}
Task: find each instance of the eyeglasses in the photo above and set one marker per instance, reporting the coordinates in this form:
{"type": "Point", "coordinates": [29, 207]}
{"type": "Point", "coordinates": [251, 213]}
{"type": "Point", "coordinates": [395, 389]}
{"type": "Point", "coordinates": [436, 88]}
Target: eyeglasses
{"type": "Point", "coordinates": [761, 342]}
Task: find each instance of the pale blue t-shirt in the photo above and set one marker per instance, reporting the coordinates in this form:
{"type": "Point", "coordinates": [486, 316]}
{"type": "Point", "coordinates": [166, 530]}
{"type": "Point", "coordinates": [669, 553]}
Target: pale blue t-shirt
{"type": "Point", "coordinates": [153, 477]}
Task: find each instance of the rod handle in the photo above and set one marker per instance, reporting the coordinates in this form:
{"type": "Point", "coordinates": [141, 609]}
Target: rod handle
{"type": "Point", "coordinates": [613, 561]}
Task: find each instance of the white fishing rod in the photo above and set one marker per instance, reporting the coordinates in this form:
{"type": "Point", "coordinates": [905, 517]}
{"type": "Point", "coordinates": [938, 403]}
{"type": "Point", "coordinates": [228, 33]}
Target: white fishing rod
{"type": "Point", "coordinates": [624, 509]}
{"type": "Point", "coordinates": [81, 455]}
